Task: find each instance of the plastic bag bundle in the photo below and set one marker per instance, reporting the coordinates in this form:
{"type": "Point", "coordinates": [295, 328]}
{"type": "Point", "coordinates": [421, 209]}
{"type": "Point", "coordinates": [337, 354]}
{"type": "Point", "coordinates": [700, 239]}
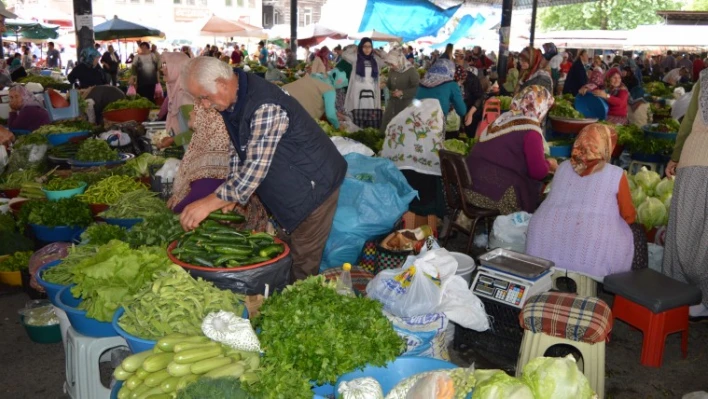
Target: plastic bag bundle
{"type": "Point", "coordinates": [27, 157]}
{"type": "Point", "coordinates": [437, 385]}
{"type": "Point", "coordinates": [232, 330]}
{"type": "Point", "coordinates": [39, 313]}
{"type": "Point", "coordinates": [169, 170]}
{"type": "Point", "coordinates": [360, 388]}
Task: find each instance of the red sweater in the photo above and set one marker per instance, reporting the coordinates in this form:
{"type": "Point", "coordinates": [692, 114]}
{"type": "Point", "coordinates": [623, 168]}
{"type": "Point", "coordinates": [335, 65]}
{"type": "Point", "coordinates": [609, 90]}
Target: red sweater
{"type": "Point", "coordinates": [618, 103]}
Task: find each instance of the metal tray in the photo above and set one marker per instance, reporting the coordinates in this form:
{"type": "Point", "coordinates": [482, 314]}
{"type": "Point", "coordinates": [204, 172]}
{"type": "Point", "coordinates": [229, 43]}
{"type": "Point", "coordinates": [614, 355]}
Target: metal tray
{"type": "Point", "coordinates": [515, 263]}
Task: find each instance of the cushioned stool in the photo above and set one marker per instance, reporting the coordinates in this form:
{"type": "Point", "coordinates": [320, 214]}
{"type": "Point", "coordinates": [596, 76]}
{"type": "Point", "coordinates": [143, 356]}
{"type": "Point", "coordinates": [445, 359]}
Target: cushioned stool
{"type": "Point", "coordinates": [584, 285]}
{"type": "Point", "coordinates": [655, 304]}
{"type": "Point", "coordinates": [557, 318]}
{"type": "Point", "coordinates": [83, 355]}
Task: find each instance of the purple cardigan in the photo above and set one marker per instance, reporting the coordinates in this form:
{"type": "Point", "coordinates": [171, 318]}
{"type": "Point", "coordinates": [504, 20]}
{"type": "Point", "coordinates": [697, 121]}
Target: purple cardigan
{"type": "Point", "coordinates": [28, 118]}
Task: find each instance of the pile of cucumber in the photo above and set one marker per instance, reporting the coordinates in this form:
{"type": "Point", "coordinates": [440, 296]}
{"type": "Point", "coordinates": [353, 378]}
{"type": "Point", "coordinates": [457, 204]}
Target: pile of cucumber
{"type": "Point", "coordinates": [177, 361]}
{"type": "Point", "coordinates": [214, 244]}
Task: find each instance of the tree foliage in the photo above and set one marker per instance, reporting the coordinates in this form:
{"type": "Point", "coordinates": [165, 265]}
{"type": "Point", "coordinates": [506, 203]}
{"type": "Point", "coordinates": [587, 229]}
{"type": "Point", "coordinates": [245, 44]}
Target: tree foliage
{"type": "Point", "coordinates": [699, 5]}
{"type": "Point", "coordinates": [606, 14]}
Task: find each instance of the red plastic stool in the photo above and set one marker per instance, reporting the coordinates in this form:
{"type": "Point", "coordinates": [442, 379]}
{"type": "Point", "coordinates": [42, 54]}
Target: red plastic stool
{"type": "Point", "coordinates": [492, 110]}
{"type": "Point", "coordinates": [655, 304]}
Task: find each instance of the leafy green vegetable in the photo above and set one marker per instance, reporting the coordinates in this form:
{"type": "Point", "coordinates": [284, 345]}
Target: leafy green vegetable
{"type": "Point", "coordinates": [137, 204]}
{"type": "Point", "coordinates": [11, 242]}
{"type": "Point", "coordinates": [66, 150]}
{"type": "Point", "coordinates": [647, 180]}
{"type": "Point", "coordinates": [96, 151]}
{"type": "Point", "coordinates": [561, 142]}
{"type": "Point", "coordinates": [30, 139]}
{"type": "Point", "coordinates": [652, 213]}
{"type": "Point", "coordinates": [175, 303]}
{"type": "Point", "coordinates": [564, 109]}
{"type": "Point", "coordinates": [15, 179]}
{"type": "Point", "coordinates": [493, 384]}
{"type": "Point", "coordinates": [130, 102]}
{"type": "Point", "coordinates": [109, 280]}
{"type": "Point", "coordinates": [60, 184]}
{"type": "Point", "coordinates": [110, 189]}
{"type": "Point", "coordinates": [225, 387]}
{"type": "Point", "coordinates": [554, 377]}
{"type": "Point", "coordinates": [505, 103]}
{"type": "Point", "coordinates": [457, 146]}
{"type": "Point", "coordinates": [96, 174]}
{"type": "Point", "coordinates": [65, 212]}
{"type": "Point", "coordinates": [658, 89]}
{"type": "Point", "coordinates": [158, 230]}
{"type": "Point", "coordinates": [7, 222]}
{"type": "Point", "coordinates": [18, 261]}
{"type": "Point", "coordinates": [669, 125]}
{"type": "Point", "coordinates": [139, 166]}
{"type": "Point", "coordinates": [309, 328]}
{"type": "Point", "coordinates": [634, 139]}
{"type": "Point", "coordinates": [100, 233]}
{"type": "Point", "coordinates": [61, 274]}
{"type": "Point", "coordinates": [370, 137]}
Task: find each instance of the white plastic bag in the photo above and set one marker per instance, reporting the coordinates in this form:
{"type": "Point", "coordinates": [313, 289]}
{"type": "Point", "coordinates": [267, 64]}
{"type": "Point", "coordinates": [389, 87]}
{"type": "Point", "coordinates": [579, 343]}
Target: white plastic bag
{"type": "Point", "coordinates": [115, 138]}
{"type": "Point", "coordinates": [656, 256]}
{"type": "Point", "coordinates": [452, 122]}
{"type": "Point", "coordinates": [462, 306]}
{"type": "Point", "coordinates": [232, 330]}
{"type": "Point", "coordinates": [169, 170]}
{"type": "Point", "coordinates": [433, 386]}
{"type": "Point", "coordinates": [680, 107]}
{"type": "Point", "coordinates": [360, 388]}
{"type": "Point", "coordinates": [407, 292]}
{"type": "Point", "coordinates": [3, 158]}
{"type": "Point", "coordinates": [509, 232]}
{"type": "Point", "coordinates": [346, 146]}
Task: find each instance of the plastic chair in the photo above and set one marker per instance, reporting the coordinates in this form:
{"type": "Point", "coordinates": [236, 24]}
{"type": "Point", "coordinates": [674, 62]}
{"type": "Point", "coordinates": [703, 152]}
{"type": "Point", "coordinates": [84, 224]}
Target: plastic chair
{"type": "Point", "coordinates": [492, 110]}
{"type": "Point", "coordinates": [456, 179]}
{"type": "Point", "coordinates": [57, 114]}
{"type": "Point", "coordinates": [581, 322]}
{"type": "Point", "coordinates": [83, 355]}
{"type": "Point", "coordinates": [584, 285]}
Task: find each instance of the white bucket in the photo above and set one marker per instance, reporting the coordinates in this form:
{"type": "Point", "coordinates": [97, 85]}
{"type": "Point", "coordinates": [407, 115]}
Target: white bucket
{"type": "Point", "coordinates": [465, 266]}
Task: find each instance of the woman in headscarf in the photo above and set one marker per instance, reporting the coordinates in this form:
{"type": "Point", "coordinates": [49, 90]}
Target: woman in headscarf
{"type": "Point", "coordinates": [26, 112]}
{"type": "Point", "coordinates": [534, 70]}
{"type": "Point", "coordinates": [439, 83]}
{"type": "Point", "coordinates": [87, 73]}
{"type": "Point", "coordinates": [686, 248]}
{"type": "Point", "coordinates": [584, 223]}
{"type": "Point", "coordinates": [508, 163]}
{"type": "Point", "coordinates": [315, 92]}
{"type": "Point", "coordinates": [110, 62]}
{"type": "Point", "coordinates": [205, 166]}
{"type": "Point", "coordinates": [323, 54]}
{"type": "Point", "coordinates": [179, 101]}
{"type": "Point", "coordinates": [614, 92]}
{"type": "Point", "coordinates": [364, 92]}
{"type": "Point", "coordinates": [402, 83]}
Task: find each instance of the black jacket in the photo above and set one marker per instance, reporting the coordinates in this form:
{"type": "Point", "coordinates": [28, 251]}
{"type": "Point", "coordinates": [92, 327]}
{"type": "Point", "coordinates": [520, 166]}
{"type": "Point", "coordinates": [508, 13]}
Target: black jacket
{"type": "Point", "coordinates": [577, 78]}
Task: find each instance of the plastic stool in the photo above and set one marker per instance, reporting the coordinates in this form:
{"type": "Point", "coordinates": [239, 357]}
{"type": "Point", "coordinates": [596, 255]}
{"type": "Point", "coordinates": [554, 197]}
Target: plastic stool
{"type": "Point", "coordinates": [72, 111]}
{"type": "Point", "coordinates": [83, 355]}
{"type": "Point", "coordinates": [585, 286]}
{"type": "Point", "coordinates": [655, 304]}
{"type": "Point", "coordinates": [634, 167]}
{"type": "Point", "coordinates": [556, 318]}
{"type": "Point", "coordinates": [492, 110]}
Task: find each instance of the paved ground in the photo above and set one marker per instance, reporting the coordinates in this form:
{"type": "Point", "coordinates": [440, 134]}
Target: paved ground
{"type": "Point", "coordinates": [35, 371]}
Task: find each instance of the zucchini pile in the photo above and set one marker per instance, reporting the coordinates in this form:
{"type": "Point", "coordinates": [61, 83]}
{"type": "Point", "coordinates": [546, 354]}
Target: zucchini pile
{"type": "Point", "coordinates": [179, 360]}
{"type": "Point", "coordinates": [214, 244]}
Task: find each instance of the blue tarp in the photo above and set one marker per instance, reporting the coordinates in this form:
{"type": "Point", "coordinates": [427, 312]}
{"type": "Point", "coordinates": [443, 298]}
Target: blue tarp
{"type": "Point", "coordinates": [464, 28]}
{"type": "Point", "coordinates": [409, 19]}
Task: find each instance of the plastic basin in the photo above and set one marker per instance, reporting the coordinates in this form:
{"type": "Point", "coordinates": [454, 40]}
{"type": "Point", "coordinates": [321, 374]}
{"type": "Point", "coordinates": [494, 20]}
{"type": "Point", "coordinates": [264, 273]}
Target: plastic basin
{"type": "Point", "coordinates": [11, 278]}
{"type": "Point", "coordinates": [465, 266]}
{"type": "Point", "coordinates": [125, 115]}
{"type": "Point", "coordinates": [658, 135]}
{"type": "Point", "coordinates": [61, 138]}
{"type": "Point", "coordinates": [57, 195]}
{"type": "Point", "coordinates": [11, 193]}
{"type": "Point", "coordinates": [55, 234]}
{"type": "Point", "coordinates": [15, 207]}
{"type": "Point", "coordinates": [42, 334]}
{"type": "Point", "coordinates": [98, 208]}
{"type": "Point", "coordinates": [125, 223]}
{"type": "Point", "coordinates": [134, 343]}
{"type": "Point", "coordinates": [51, 288]}
{"type": "Point", "coordinates": [77, 317]}
{"type": "Point", "coordinates": [396, 371]}
{"type": "Point", "coordinates": [187, 266]}
{"type": "Point", "coordinates": [87, 164]}
{"type": "Point", "coordinates": [570, 126]}
{"type": "Point", "coordinates": [20, 132]}
{"type": "Point", "coordinates": [591, 106]}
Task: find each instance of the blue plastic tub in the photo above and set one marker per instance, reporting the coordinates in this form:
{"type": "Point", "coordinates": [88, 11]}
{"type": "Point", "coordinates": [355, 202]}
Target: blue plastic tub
{"type": "Point", "coordinates": [82, 324]}
{"type": "Point", "coordinates": [591, 106]}
{"type": "Point", "coordinates": [61, 138]}
{"type": "Point", "coordinates": [57, 195]}
{"type": "Point", "coordinates": [45, 72]}
{"type": "Point", "coordinates": [658, 135]}
{"type": "Point", "coordinates": [20, 132]}
{"type": "Point", "coordinates": [561, 151]}
{"type": "Point", "coordinates": [134, 343]}
{"type": "Point", "coordinates": [81, 164]}
{"type": "Point", "coordinates": [125, 223]}
{"type": "Point", "coordinates": [55, 234]}
{"type": "Point", "coordinates": [51, 289]}
{"type": "Point", "coordinates": [396, 371]}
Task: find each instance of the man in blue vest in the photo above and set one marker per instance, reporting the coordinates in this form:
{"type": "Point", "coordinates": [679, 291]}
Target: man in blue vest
{"type": "Point", "coordinates": [278, 151]}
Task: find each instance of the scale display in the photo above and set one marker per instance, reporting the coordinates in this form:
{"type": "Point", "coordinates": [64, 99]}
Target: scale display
{"type": "Point", "coordinates": [507, 288]}
{"type": "Point", "coordinates": [501, 290]}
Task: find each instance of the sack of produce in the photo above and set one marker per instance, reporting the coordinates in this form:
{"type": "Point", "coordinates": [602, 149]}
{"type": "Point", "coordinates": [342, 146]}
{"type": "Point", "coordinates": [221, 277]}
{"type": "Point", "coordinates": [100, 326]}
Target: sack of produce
{"type": "Point", "coordinates": [425, 335]}
{"type": "Point", "coordinates": [249, 281]}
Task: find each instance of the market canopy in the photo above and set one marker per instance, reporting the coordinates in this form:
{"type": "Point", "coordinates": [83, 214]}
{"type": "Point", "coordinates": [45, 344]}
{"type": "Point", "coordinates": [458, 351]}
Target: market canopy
{"type": "Point", "coordinates": [662, 37]}
{"type": "Point", "coordinates": [220, 27]}
{"type": "Point", "coordinates": [376, 36]}
{"type": "Point", "coordinates": [310, 35]}
{"type": "Point", "coordinates": [30, 30]}
{"type": "Point", "coordinates": [117, 28]}
{"type": "Point", "coordinates": [599, 39]}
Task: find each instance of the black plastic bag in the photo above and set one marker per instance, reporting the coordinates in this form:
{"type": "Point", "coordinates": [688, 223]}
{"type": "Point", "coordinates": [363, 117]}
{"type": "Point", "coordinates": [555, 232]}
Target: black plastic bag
{"type": "Point", "coordinates": [250, 281]}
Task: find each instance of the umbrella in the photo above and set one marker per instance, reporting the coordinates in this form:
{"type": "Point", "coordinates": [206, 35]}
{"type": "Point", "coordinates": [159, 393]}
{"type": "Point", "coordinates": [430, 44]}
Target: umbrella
{"type": "Point", "coordinates": [376, 36]}
{"type": "Point", "coordinates": [30, 30]}
{"type": "Point", "coordinates": [314, 34]}
{"type": "Point", "coordinates": [216, 26]}
{"type": "Point", "coordinates": [117, 28]}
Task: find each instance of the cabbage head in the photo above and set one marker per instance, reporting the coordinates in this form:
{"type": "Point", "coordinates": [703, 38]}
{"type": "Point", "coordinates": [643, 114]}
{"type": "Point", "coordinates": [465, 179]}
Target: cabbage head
{"type": "Point", "coordinates": [666, 199]}
{"type": "Point", "coordinates": [457, 146]}
{"type": "Point", "coordinates": [630, 180]}
{"type": "Point", "coordinates": [496, 384]}
{"type": "Point", "coordinates": [556, 378]}
{"type": "Point", "coordinates": [647, 180]}
{"type": "Point", "coordinates": [665, 186]}
{"type": "Point", "coordinates": [638, 197]}
{"type": "Point", "coordinates": [652, 213]}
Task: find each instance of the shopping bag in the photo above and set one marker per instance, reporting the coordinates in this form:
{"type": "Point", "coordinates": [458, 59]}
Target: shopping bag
{"type": "Point", "coordinates": [367, 117]}
{"type": "Point", "coordinates": [411, 291]}
{"type": "Point", "coordinates": [131, 91]}
{"type": "Point", "coordinates": [452, 122]}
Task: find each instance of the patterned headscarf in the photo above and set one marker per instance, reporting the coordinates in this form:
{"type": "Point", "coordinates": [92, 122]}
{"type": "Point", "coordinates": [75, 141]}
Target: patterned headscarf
{"type": "Point", "coordinates": [533, 56]}
{"type": "Point", "coordinates": [28, 99]}
{"type": "Point", "coordinates": [396, 58]}
{"type": "Point", "coordinates": [88, 55]}
{"type": "Point", "coordinates": [592, 149]}
{"type": "Point", "coordinates": [441, 72]}
{"type": "Point", "coordinates": [527, 110]}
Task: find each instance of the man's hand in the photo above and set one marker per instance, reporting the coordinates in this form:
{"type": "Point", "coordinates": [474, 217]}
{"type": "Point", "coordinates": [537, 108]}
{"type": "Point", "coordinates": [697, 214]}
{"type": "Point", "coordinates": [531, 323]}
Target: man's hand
{"type": "Point", "coordinates": [6, 136]}
{"type": "Point", "coordinates": [671, 169]}
{"type": "Point", "coordinates": [197, 211]}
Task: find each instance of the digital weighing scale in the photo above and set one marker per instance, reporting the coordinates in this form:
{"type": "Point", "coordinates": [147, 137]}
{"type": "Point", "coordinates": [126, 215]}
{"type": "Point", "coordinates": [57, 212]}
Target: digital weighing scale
{"type": "Point", "coordinates": [511, 278]}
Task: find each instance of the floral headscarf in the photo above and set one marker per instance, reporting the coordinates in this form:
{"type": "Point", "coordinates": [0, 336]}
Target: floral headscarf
{"type": "Point", "coordinates": [534, 56]}
{"type": "Point", "coordinates": [592, 149]}
{"type": "Point", "coordinates": [28, 99]}
{"type": "Point", "coordinates": [441, 72]}
{"type": "Point", "coordinates": [527, 110]}
{"type": "Point", "coordinates": [88, 55]}
{"type": "Point", "coordinates": [396, 58]}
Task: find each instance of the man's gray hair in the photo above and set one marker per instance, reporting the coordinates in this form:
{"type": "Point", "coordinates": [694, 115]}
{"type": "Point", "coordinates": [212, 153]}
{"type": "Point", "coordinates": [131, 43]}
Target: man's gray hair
{"type": "Point", "coordinates": [205, 71]}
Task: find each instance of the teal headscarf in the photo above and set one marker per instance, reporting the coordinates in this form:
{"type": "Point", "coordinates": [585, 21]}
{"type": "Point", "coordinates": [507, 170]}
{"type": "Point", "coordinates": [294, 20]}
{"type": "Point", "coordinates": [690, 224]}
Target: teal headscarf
{"type": "Point", "coordinates": [88, 55]}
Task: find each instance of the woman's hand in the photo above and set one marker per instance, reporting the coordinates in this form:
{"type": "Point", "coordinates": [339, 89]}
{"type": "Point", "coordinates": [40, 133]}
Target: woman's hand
{"type": "Point", "coordinates": [582, 91]}
{"type": "Point", "coordinates": [133, 80]}
{"type": "Point", "coordinates": [470, 116]}
{"type": "Point", "coordinates": [600, 93]}
{"type": "Point", "coordinates": [6, 136]}
{"type": "Point", "coordinates": [166, 142]}
{"type": "Point", "coordinates": [552, 165]}
{"type": "Point", "coordinates": [671, 169]}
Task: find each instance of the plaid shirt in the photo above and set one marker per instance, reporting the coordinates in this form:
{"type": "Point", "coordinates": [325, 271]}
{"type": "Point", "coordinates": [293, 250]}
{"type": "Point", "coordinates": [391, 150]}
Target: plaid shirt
{"type": "Point", "coordinates": [268, 125]}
